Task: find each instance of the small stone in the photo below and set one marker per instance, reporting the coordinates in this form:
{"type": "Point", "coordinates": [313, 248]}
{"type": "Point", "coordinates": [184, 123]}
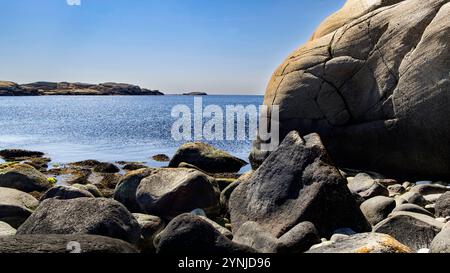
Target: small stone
{"type": "Point", "coordinates": [367, 187]}
{"type": "Point", "coordinates": [395, 190]}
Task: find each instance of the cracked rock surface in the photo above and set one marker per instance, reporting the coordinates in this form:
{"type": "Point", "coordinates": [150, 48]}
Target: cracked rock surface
{"type": "Point", "coordinates": [374, 85]}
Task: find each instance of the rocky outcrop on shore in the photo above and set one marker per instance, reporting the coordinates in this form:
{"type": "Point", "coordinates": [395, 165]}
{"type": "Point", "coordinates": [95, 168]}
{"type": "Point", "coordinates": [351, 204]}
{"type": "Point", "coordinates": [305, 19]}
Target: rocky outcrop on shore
{"type": "Point", "coordinates": [73, 89]}
{"type": "Point", "coordinates": [374, 82]}
{"type": "Point", "coordinates": [297, 201]}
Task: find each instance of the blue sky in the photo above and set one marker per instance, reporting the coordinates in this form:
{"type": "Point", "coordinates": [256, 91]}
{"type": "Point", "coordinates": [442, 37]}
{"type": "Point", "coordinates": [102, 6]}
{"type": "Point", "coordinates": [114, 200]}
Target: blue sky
{"type": "Point", "coordinates": [217, 46]}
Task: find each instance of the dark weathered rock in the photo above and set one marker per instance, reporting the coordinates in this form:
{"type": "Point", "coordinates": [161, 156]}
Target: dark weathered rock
{"type": "Point", "coordinates": [189, 234]}
{"type": "Point", "coordinates": [412, 208]}
{"type": "Point", "coordinates": [66, 192]}
{"type": "Point", "coordinates": [23, 178]}
{"type": "Point", "coordinates": [363, 243]}
{"type": "Point", "coordinates": [171, 192]}
{"type": "Point", "coordinates": [12, 154]}
{"type": "Point", "coordinates": [373, 85]}
{"type": "Point", "coordinates": [161, 158]}
{"type": "Point", "coordinates": [226, 193]}
{"type": "Point", "coordinates": [105, 167]}
{"type": "Point", "coordinates": [366, 186]}
{"type": "Point", "coordinates": [97, 216]}
{"type": "Point", "coordinates": [414, 230]}
{"type": "Point", "coordinates": [377, 209]}
{"type": "Point", "coordinates": [442, 206]}
{"type": "Point", "coordinates": [299, 239]}
{"type": "Point", "coordinates": [51, 243]}
{"type": "Point", "coordinates": [125, 191]}
{"type": "Point", "coordinates": [16, 206]}
{"type": "Point", "coordinates": [207, 158]}
{"type": "Point", "coordinates": [297, 183]}
{"type": "Point", "coordinates": [134, 166]}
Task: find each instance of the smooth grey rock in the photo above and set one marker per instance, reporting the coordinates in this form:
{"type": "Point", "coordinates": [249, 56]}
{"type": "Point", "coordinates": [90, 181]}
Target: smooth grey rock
{"type": "Point", "coordinates": [171, 192]}
{"type": "Point", "coordinates": [297, 183]}
{"type": "Point", "coordinates": [95, 216]}
{"type": "Point", "coordinates": [297, 240]}
{"type": "Point", "coordinates": [16, 206]}
{"type": "Point", "coordinates": [251, 234]}
{"type": "Point", "coordinates": [65, 192]}
{"type": "Point", "coordinates": [7, 230]}
{"type": "Point", "coordinates": [366, 186]}
{"type": "Point", "coordinates": [412, 208]}
{"type": "Point", "coordinates": [412, 198]}
{"type": "Point", "coordinates": [189, 234]}
{"type": "Point", "coordinates": [441, 243]}
{"type": "Point", "coordinates": [125, 191]}
{"type": "Point", "coordinates": [90, 188]}
{"type": "Point", "coordinates": [362, 243]}
{"type": "Point", "coordinates": [377, 209]}
{"type": "Point", "coordinates": [414, 230]}
{"type": "Point", "coordinates": [57, 243]}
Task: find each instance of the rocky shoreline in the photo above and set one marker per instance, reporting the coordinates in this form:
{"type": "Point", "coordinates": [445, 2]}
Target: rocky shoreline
{"type": "Point", "coordinates": [74, 89]}
{"type": "Point", "coordinates": [297, 201]}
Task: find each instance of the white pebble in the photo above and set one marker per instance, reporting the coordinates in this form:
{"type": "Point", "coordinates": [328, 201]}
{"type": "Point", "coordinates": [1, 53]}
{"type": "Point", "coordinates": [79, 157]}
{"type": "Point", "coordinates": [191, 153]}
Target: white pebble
{"type": "Point", "coordinates": [423, 251]}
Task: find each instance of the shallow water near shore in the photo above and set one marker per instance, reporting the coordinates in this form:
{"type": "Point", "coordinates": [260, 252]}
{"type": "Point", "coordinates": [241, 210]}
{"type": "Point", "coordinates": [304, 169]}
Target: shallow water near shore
{"type": "Point", "coordinates": [111, 128]}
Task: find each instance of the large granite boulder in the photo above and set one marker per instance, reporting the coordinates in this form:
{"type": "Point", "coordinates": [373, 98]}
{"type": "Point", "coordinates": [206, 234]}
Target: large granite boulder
{"type": "Point", "coordinates": [23, 178]}
{"type": "Point", "coordinates": [171, 192]}
{"type": "Point", "coordinates": [57, 243]}
{"type": "Point", "coordinates": [16, 206]}
{"type": "Point", "coordinates": [207, 158]}
{"type": "Point", "coordinates": [373, 82]}
{"type": "Point", "coordinates": [95, 216]}
{"type": "Point", "coordinates": [297, 183]}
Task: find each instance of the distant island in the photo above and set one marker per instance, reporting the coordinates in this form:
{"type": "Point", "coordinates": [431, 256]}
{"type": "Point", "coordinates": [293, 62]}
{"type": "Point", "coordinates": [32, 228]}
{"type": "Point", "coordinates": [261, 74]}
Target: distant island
{"type": "Point", "coordinates": [195, 94]}
{"type": "Point", "coordinates": [75, 89]}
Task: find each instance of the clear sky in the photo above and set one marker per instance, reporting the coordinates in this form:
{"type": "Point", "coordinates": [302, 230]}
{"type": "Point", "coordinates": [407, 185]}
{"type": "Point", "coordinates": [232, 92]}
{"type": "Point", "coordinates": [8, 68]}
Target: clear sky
{"type": "Point", "coordinates": [216, 46]}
